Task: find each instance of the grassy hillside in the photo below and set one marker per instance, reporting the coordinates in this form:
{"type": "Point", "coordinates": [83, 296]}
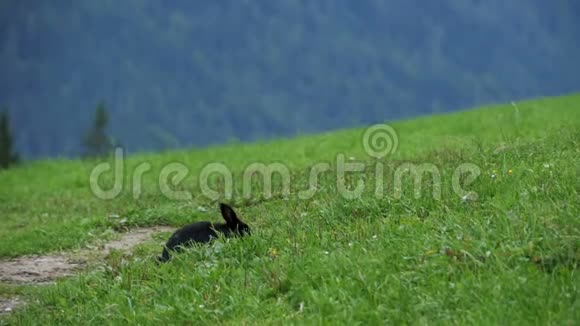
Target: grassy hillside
{"type": "Point", "coordinates": [506, 251]}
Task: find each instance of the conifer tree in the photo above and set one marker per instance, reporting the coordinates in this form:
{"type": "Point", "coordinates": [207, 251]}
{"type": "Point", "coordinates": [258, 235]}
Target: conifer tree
{"type": "Point", "coordinates": [97, 143]}
{"type": "Point", "coordinates": [8, 156]}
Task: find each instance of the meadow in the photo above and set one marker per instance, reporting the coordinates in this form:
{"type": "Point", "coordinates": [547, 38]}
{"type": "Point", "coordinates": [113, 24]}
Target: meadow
{"type": "Point", "coordinates": [503, 251]}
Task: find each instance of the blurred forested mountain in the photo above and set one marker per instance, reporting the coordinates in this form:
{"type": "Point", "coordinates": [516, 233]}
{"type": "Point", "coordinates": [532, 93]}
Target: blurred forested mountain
{"type": "Point", "coordinates": [192, 73]}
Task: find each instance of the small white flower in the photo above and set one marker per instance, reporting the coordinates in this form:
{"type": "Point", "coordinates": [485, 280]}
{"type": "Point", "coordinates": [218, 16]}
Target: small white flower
{"type": "Point", "coordinates": [547, 165]}
{"type": "Point", "coordinates": [493, 176]}
{"type": "Point", "coordinates": [326, 252]}
{"type": "Point", "coordinates": [201, 306]}
{"type": "Point", "coordinates": [350, 244]}
{"type": "Point", "coordinates": [374, 237]}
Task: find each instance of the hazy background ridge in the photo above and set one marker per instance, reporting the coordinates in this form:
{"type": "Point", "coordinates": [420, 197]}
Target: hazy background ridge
{"type": "Point", "coordinates": [193, 73]}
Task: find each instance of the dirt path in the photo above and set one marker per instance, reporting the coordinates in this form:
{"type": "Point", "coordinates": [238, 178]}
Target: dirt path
{"type": "Point", "coordinates": [48, 268]}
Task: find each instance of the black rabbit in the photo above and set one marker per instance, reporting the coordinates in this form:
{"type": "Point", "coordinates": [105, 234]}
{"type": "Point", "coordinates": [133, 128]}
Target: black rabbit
{"type": "Point", "coordinates": [204, 232]}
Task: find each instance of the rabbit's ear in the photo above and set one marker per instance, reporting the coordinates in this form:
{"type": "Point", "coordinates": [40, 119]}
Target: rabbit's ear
{"type": "Point", "coordinates": [229, 215]}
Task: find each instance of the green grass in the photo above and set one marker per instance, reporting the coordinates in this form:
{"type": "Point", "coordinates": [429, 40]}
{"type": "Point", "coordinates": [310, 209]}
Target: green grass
{"type": "Point", "coordinates": [508, 257]}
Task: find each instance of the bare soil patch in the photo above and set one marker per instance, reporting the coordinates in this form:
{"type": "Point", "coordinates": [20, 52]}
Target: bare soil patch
{"type": "Point", "coordinates": [7, 305]}
{"type": "Point", "coordinates": [47, 268]}
{"type": "Point", "coordinates": [36, 269]}
{"type": "Point", "coordinates": [43, 269]}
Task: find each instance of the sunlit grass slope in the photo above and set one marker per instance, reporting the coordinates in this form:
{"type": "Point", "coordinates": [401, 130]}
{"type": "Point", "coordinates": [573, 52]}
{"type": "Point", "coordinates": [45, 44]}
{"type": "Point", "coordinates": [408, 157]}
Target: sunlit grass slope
{"type": "Point", "coordinates": [505, 253]}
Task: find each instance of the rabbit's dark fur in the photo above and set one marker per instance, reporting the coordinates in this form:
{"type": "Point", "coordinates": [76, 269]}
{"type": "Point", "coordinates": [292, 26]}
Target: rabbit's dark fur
{"type": "Point", "coordinates": [204, 232]}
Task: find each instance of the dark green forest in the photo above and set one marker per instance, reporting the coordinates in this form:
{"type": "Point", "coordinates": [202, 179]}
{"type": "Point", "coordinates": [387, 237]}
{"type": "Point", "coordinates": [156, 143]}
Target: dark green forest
{"type": "Point", "coordinates": [193, 73]}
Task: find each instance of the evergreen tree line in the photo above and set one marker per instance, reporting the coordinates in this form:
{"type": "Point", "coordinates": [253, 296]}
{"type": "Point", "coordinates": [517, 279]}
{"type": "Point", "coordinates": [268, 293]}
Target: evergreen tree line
{"type": "Point", "coordinates": [179, 74]}
{"type": "Point", "coordinates": [96, 142]}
